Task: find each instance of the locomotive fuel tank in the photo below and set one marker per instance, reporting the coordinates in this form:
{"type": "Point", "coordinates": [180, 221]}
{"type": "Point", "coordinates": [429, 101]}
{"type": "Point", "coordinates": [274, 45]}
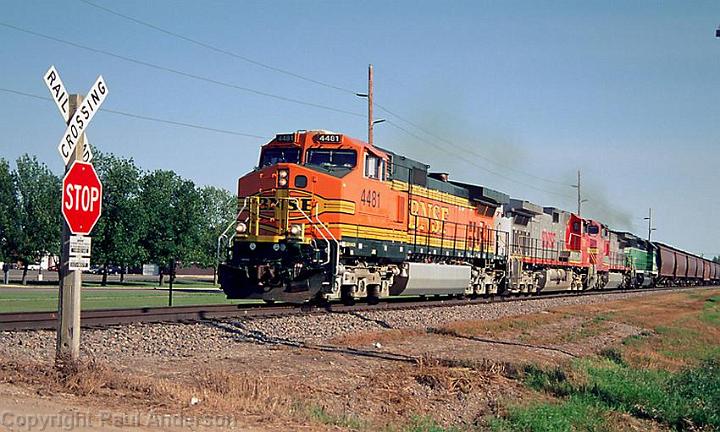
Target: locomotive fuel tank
{"type": "Point", "coordinates": [555, 280]}
{"type": "Point", "coordinates": [429, 279]}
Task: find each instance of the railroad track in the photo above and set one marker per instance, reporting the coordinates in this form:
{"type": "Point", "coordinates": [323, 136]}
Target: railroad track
{"type": "Point", "coordinates": [109, 317]}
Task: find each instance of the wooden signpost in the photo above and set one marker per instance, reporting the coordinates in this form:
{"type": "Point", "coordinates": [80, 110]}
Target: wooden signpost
{"type": "Point", "coordinates": [81, 205]}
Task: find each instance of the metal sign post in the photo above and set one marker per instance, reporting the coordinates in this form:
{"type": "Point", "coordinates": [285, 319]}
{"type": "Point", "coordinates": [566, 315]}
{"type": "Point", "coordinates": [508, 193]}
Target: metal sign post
{"type": "Point", "coordinates": [79, 199]}
{"type": "Point", "coordinates": [172, 276]}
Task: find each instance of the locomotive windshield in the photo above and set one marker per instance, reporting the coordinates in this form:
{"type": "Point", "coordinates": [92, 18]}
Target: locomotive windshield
{"type": "Point", "coordinates": [272, 156]}
{"type": "Point", "coordinates": [329, 158]}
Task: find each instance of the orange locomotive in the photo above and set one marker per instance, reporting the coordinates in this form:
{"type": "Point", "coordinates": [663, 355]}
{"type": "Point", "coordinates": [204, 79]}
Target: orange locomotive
{"type": "Point", "coordinates": [328, 216]}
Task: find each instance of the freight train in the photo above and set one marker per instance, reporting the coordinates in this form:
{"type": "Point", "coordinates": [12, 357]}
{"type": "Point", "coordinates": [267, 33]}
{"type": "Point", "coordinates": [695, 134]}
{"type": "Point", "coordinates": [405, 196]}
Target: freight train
{"type": "Point", "coordinates": [325, 216]}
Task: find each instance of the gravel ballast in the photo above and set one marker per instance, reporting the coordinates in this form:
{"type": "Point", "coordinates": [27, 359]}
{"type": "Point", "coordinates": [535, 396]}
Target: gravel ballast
{"type": "Point", "coordinates": [217, 338]}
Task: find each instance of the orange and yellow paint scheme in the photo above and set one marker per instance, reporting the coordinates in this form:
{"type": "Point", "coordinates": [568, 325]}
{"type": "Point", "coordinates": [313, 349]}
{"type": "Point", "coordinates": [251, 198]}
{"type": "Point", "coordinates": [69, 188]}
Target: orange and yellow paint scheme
{"type": "Point", "coordinates": [335, 200]}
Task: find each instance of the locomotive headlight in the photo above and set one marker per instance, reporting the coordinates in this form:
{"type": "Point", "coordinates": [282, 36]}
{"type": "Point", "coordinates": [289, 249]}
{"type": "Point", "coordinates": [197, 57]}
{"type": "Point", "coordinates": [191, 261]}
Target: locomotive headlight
{"type": "Point", "coordinates": [296, 230]}
{"type": "Point", "coordinates": [241, 228]}
{"type": "Point", "coordinates": [252, 246]}
{"type": "Point", "coordinates": [276, 247]}
{"type": "Point", "coordinates": [283, 176]}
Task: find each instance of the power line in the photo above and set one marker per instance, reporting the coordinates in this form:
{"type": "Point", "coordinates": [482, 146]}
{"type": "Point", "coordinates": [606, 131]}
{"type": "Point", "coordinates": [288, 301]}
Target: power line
{"type": "Point", "coordinates": [244, 134]}
{"type": "Point", "coordinates": [469, 150]}
{"type": "Point", "coordinates": [179, 72]}
{"type": "Point", "coordinates": [217, 82]}
{"type": "Point", "coordinates": [471, 162]}
{"type": "Point", "coordinates": [304, 78]}
{"type": "Point", "coordinates": [217, 49]}
{"type": "Point", "coordinates": [146, 118]}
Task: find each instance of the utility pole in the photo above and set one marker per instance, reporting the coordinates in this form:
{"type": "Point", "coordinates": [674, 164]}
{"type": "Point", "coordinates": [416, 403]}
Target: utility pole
{"type": "Point", "coordinates": [650, 227]}
{"type": "Point", "coordinates": [579, 196]}
{"type": "Point", "coordinates": [68, 330]}
{"type": "Point", "coordinates": [369, 95]}
{"type": "Point", "coordinates": [579, 201]}
{"type": "Point", "coordinates": [370, 104]}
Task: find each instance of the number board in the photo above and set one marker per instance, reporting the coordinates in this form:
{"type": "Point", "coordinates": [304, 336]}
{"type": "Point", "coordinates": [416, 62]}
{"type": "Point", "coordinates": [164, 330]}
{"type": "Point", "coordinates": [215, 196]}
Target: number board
{"type": "Point", "coordinates": [328, 138]}
{"type": "Point", "coordinates": [285, 138]}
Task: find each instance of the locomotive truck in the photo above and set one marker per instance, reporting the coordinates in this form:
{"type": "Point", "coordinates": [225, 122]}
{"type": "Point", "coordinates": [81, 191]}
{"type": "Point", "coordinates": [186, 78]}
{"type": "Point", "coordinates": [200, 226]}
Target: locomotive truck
{"type": "Point", "coordinates": [325, 216]}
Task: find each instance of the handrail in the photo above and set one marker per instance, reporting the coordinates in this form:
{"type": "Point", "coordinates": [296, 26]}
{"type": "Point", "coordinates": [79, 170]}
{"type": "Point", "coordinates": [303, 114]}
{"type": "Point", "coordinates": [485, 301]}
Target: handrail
{"type": "Point", "coordinates": [224, 233]}
{"type": "Point", "coordinates": [299, 208]}
{"type": "Point", "coordinates": [475, 239]}
{"type": "Point", "coordinates": [337, 244]}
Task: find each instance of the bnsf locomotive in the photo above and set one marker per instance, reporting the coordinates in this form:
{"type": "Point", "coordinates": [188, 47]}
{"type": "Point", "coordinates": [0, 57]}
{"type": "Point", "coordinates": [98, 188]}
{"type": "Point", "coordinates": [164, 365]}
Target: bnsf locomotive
{"type": "Point", "coordinates": [326, 216]}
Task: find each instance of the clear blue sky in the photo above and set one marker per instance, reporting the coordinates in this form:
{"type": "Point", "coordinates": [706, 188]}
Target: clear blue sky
{"type": "Point", "coordinates": [628, 92]}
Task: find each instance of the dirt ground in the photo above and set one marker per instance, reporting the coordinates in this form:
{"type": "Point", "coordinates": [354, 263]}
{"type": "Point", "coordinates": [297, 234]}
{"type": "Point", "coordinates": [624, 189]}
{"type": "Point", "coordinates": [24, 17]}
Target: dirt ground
{"type": "Point", "coordinates": [459, 374]}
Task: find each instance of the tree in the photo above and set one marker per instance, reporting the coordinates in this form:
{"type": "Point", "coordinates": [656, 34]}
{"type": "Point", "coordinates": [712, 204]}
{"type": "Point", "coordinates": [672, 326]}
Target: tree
{"type": "Point", "coordinates": [116, 237]}
{"type": "Point", "coordinates": [38, 212]}
{"type": "Point", "coordinates": [8, 213]}
{"type": "Point", "coordinates": [219, 208]}
{"type": "Point", "coordinates": [172, 215]}
{"type": "Point", "coordinates": [716, 259]}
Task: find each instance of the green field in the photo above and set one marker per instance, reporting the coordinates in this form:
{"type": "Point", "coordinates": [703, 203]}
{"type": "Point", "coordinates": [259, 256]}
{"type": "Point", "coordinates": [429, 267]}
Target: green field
{"type": "Point", "coordinates": [32, 299]}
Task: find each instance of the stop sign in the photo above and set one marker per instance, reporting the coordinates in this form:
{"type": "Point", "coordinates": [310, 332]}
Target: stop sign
{"type": "Point", "coordinates": [81, 198]}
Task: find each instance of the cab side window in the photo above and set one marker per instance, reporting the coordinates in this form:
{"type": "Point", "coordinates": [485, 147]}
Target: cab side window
{"type": "Point", "coordinates": [374, 167]}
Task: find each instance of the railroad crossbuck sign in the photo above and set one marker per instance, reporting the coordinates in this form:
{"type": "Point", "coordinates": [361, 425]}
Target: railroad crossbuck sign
{"type": "Point", "coordinates": [81, 198]}
{"type": "Point", "coordinates": [82, 117]}
{"type": "Point", "coordinates": [61, 98]}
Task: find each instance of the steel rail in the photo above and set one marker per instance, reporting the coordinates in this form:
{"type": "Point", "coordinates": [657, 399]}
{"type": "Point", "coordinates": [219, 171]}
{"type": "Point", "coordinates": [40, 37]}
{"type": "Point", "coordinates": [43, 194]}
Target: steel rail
{"type": "Point", "coordinates": [98, 318]}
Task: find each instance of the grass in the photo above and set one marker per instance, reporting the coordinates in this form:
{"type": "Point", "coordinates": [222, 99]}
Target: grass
{"type": "Point", "coordinates": [711, 311]}
{"type": "Point", "coordinates": [684, 400]}
{"type": "Point", "coordinates": [426, 424]}
{"type": "Point", "coordinates": [179, 283]}
{"type": "Point", "coordinates": [577, 413]}
{"type": "Point", "coordinates": [493, 328]}
{"type": "Point", "coordinates": [670, 376]}
{"type": "Point", "coordinates": [321, 415]}
{"type": "Point", "coordinates": [586, 330]}
{"type": "Point", "coordinates": [18, 300]}
{"type": "Point", "coordinates": [217, 392]}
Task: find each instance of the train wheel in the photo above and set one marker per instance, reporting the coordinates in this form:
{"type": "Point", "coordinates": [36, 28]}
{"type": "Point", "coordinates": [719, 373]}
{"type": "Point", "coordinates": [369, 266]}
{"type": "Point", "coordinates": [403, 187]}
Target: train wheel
{"type": "Point", "coordinates": [347, 297]}
{"type": "Point", "coordinates": [373, 294]}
